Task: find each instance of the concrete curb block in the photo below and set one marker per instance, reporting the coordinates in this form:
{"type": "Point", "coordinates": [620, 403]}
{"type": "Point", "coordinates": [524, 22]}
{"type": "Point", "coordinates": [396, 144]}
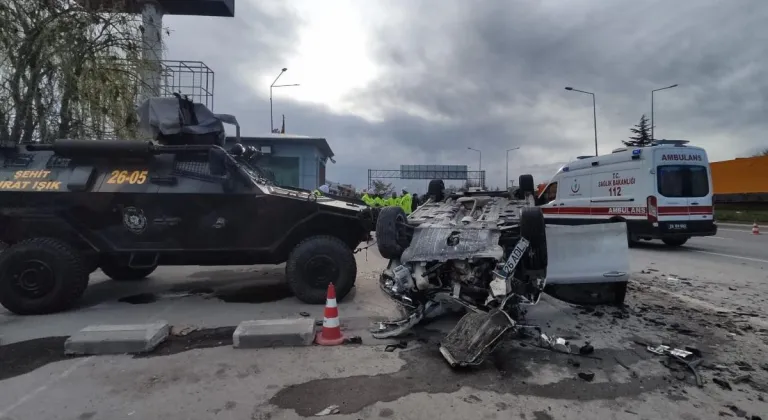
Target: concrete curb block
{"type": "Point", "coordinates": [274, 333]}
{"type": "Point", "coordinates": [117, 339]}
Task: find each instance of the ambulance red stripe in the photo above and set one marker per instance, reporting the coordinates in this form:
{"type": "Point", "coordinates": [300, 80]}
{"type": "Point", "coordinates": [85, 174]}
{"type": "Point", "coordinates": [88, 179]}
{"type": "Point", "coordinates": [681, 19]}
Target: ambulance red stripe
{"type": "Point", "coordinates": [628, 211]}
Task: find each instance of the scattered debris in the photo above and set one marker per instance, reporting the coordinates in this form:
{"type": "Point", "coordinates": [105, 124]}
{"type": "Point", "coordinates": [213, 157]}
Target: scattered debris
{"type": "Point", "coordinates": [304, 314]}
{"type": "Point", "coordinates": [573, 363]}
{"type": "Point", "coordinates": [400, 345]}
{"type": "Point", "coordinates": [746, 377]}
{"type": "Point", "coordinates": [586, 349]}
{"type": "Point", "coordinates": [731, 288]}
{"type": "Point", "coordinates": [744, 366]}
{"type": "Point", "coordinates": [353, 340]}
{"type": "Point", "coordinates": [181, 331]}
{"type": "Point", "coordinates": [587, 376]}
{"type": "Point", "coordinates": [736, 410]}
{"type": "Point", "coordinates": [333, 409]}
{"type": "Point", "coordinates": [722, 383]}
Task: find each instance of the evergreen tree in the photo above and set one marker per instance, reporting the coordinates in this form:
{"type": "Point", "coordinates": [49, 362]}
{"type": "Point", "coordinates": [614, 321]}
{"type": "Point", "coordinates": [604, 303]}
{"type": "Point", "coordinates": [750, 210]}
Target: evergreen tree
{"type": "Point", "coordinates": [641, 134]}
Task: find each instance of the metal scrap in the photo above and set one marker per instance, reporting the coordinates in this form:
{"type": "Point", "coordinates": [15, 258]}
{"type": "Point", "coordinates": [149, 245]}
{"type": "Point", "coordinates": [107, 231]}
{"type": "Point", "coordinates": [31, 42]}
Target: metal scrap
{"type": "Point", "coordinates": [690, 358]}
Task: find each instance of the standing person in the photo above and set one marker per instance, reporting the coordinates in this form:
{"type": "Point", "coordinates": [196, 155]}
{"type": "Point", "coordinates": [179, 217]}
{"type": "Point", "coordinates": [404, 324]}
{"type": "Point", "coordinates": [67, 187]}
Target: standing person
{"type": "Point", "coordinates": [414, 202]}
{"type": "Point", "coordinates": [405, 201]}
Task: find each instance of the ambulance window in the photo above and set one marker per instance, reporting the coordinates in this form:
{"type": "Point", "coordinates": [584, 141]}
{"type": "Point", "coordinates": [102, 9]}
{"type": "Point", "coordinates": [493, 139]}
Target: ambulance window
{"type": "Point", "coordinates": [683, 181]}
{"type": "Point", "coordinates": [550, 193]}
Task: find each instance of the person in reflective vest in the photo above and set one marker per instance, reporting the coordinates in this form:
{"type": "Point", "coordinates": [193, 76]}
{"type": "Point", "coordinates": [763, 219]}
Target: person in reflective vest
{"type": "Point", "coordinates": [393, 200]}
{"type": "Point", "coordinates": [321, 191]}
{"type": "Point", "coordinates": [367, 199]}
{"type": "Point", "coordinates": [378, 201]}
{"type": "Point", "coordinates": [405, 202]}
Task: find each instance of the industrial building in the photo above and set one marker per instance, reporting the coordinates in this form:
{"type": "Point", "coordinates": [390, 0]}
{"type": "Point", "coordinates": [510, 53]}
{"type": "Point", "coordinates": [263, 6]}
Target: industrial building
{"type": "Point", "coordinates": [295, 161]}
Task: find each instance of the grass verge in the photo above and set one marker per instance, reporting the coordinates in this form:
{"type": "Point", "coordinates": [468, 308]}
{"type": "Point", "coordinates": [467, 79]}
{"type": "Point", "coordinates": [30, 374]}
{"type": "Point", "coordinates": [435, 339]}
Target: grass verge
{"type": "Point", "coordinates": [741, 216]}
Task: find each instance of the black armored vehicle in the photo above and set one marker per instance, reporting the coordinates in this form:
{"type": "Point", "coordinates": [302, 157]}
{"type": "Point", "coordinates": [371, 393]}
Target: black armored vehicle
{"type": "Point", "coordinates": [126, 207]}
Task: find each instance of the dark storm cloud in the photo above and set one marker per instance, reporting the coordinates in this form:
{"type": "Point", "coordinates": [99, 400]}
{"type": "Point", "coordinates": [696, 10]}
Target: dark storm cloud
{"type": "Point", "coordinates": [491, 75]}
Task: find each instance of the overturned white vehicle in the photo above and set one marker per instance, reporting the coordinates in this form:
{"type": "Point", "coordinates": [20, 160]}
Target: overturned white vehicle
{"type": "Point", "coordinates": [485, 251]}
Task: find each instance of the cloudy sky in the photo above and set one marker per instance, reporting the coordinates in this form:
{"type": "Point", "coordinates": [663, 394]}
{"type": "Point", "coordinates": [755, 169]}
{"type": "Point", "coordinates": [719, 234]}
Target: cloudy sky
{"type": "Point", "coordinates": [392, 82]}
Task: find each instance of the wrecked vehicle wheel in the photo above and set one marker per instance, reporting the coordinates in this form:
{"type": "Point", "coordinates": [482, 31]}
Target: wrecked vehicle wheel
{"type": "Point", "coordinates": [533, 228]}
{"type": "Point", "coordinates": [317, 262]}
{"type": "Point", "coordinates": [391, 237]}
{"type": "Point", "coordinates": [125, 273]}
{"type": "Point", "coordinates": [436, 190]}
{"type": "Point", "coordinates": [674, 241]}
{"type": "Point", "coordinates": [41, 276]}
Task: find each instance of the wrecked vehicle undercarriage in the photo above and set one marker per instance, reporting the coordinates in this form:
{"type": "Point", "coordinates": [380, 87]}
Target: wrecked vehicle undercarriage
{"type": "Point", "coordinates": [483, 251]}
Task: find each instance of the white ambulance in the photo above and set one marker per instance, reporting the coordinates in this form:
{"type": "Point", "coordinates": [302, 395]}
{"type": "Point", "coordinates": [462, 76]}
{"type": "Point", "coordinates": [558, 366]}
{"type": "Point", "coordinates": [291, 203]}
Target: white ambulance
{"type": "Point", "coordinates": [663, 191]}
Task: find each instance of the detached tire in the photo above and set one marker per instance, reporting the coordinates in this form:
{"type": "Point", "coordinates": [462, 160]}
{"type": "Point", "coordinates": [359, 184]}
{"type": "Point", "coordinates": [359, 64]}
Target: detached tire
{"type": "Point", "coordinates": [390, 234]}
{"type": "Point", "coordinates": [317, 262]}
{"type": "Point", "coordinates": [534, 229]}
{"type": "Point", "coordinates": [674, 241]}
{"type": "Point", "coordinates": [436, 190]}
{"type": "Point", "coordinates": [125, 273]}
{"type": "Point", "coordinates": [526, 183]}
{"type": "Point", "coordinates": [41, 276]}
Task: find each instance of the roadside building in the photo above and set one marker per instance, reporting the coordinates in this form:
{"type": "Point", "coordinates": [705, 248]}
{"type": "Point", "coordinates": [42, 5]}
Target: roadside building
{"type": "Point", "coordinates": [295, 161]}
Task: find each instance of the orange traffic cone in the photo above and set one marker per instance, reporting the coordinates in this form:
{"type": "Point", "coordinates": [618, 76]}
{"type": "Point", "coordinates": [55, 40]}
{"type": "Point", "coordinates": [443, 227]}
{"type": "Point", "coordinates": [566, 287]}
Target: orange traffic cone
{"type": "Point", "coordinates": [755, 229]}
{"type": "Point", "coordinates": [331, 332]}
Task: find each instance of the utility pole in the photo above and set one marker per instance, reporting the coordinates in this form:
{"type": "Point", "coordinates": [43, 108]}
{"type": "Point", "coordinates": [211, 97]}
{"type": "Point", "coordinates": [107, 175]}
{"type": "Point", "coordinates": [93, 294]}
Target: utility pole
{"type": "Point", "coordinates": [594, 111]}
{"type": "Point", "coordinates": [273, 85]}
{"type": "Point", "coordinates": [507, 176]}
{"type": "Point", "coordinates": [652, 124]}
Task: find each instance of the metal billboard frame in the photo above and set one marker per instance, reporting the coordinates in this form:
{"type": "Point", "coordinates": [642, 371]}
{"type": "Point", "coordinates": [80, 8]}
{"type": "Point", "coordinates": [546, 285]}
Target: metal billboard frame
{"type": "Point", "coordinates": [478, 176]}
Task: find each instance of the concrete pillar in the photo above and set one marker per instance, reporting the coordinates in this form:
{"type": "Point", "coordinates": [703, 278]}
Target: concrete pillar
{"type": "Point", "coordinates": [151, 49]}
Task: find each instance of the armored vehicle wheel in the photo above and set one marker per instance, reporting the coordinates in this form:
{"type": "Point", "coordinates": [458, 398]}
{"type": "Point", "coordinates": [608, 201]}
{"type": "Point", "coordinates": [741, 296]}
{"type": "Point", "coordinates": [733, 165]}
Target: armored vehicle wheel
{"type": "Point", "coordinates": [533, 228]}
{"type": "Point", "coordinates": [317, 262]}
{"type": "Point", "coordinates": [125, 273]}
{"type": "Point", "coordinates": [41, 276]}
{"type": "Point", "coordinates": [390, 233]}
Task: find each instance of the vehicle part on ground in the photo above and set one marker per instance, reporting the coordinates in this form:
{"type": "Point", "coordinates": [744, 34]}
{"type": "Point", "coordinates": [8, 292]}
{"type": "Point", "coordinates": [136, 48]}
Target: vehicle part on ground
{"type": "Point", "coordinates": [183, 198]}
{"type": "Point", "coordinates": [588, 264]}
{"type": "Point", "coordinates": [483, 252]}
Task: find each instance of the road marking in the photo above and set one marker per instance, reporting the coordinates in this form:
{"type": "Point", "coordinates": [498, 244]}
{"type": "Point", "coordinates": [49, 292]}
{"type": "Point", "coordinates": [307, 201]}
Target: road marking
{"type": "Point", "coordinates": [717, 237]}
{"type": "Point", "coordinates": [736, 230]}
{"type": "Point", "coordinates": [33, 394]}
{"type": "Point", "coordinates": [731, 256]}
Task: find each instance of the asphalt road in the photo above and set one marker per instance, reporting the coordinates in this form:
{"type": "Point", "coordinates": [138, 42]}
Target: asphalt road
{"type": "Point", "coordinates": [712, 288]}
{"type": "Point", "coordinates": [729, 270]}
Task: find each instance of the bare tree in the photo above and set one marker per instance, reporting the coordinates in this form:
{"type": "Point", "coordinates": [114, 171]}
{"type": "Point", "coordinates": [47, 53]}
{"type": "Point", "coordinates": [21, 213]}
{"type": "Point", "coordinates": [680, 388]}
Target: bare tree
{"type": "Point", "coordinates": [66, 71]}
{"type": "Point", "coordinates": [763, 152]}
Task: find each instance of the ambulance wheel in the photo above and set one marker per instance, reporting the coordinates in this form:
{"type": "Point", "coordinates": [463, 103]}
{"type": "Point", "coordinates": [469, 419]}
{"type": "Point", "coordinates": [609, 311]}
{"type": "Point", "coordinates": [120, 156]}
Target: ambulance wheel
{"type": "Point", "coordinates": [533, 228]}
{"type": "Point", "coordinates": [41, 276]}
{"type": "Point", "coordinates": [317, 262]}
{"type": "Point", "coordinates": [674, 241]}
{"type": "Point", "coordinates": [391, 235]}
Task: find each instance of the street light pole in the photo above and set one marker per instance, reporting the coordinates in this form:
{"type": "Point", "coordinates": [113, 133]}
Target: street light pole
{"type": "Point", "coordinates": [594, 111]}
{"type": "Point", "coordinates": [479, 165]}
{"type": "Point", "coordinates": [507, 176]}
{"type": "Point", "coordinates": [652, 124]}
